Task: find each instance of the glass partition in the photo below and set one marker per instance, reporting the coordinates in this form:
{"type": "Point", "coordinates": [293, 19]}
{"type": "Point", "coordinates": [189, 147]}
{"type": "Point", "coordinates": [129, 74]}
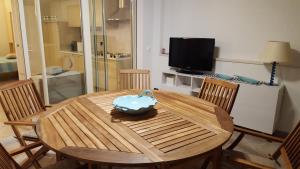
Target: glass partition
{"type": "Point", "coordinates": [58, 54]}
{"type": "Point", "coordinates": [98, 46]}
{"type": "Point", "coordinates": [63, 47]}
{"type": "Point", "coordinates": [113, 43]}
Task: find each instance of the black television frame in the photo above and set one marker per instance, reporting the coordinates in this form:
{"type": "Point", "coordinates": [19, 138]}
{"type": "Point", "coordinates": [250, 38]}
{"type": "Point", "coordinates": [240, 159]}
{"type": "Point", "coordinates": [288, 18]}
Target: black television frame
{"type": "Point", "coordinates": [189, 69]}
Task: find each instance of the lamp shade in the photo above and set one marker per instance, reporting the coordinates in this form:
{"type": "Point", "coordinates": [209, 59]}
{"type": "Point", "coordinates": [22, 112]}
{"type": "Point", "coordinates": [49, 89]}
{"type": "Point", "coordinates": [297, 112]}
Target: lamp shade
{"type": "Point", "coordinates": [276, 51]}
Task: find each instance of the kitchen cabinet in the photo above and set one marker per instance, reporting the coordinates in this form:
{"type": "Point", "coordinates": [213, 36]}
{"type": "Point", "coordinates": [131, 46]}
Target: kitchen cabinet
{"type": "Point", "coordinates": [72, 61]}
{"type": "Point", "coordinates": [113, 67]}
{"type": "Point", "coordinates": [73, 15]}
{"type": "Point", "coordinates": [98, 11]}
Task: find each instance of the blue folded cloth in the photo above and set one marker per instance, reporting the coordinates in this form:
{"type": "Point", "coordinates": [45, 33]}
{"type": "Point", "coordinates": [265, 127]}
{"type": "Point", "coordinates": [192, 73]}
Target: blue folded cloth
{"type": "Point", "coordinates": [225, 77]}
{"type": "Point", "coordinates": [247, 80]}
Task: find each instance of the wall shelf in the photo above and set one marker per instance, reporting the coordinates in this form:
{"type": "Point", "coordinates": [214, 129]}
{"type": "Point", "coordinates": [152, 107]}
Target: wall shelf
{"type": "Point", "coordinates": [187, 83]}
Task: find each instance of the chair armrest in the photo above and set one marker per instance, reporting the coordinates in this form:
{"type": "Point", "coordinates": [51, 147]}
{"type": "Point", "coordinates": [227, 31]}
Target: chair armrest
{"type": "Point", "coordinates": [258, 134]}
{"type": "Point", "coordinates": [244, 160]}
{"type": "Point", "coordinates": [25, 148]}
{"type": "Point", "coordinates": [20, 123]}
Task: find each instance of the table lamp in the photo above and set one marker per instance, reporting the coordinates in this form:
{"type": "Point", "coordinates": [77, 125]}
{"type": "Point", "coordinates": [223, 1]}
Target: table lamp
{"type": "Point", "coordinates": [276, 52]}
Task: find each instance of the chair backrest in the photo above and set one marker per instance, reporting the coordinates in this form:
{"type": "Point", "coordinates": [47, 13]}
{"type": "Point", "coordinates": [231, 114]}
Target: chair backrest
{"type": "Point", "coordinates": [20, 99]}
{"type": "Point", "coordinates": [6, 161]}
{"type": "Point", "coordinates": [291, 147]}
{"type": "Point", "coordinates": [219, 92]}
{"type": "Point", "coordinates": [134, 79]}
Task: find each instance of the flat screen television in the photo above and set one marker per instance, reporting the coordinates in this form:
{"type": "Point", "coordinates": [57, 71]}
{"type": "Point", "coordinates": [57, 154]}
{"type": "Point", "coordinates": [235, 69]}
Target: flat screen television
{"type": "Point", "coordinates": [191, 55]}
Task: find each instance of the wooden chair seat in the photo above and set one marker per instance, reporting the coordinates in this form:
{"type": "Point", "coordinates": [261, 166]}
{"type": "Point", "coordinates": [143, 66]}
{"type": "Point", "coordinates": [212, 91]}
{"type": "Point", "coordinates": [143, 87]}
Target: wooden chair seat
{"type": "Point", "coordinates": [243, 158]}
{"type": "Point", "coordinates": [29, 134]}
{"type": "Point", "coordinates": [65, 164]}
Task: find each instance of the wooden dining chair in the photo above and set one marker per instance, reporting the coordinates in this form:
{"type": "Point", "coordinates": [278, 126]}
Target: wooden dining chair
{"type": "Point", "coordinates": [7, 161]}
{"type": "Point", "coordinates": [219, 92]}
{"type": "Point", "coordinates": [223, 94]}
{"type": "Point", "coordinates": [289, 151]}
{"type": "Point", "coordinates": [134, 79]}
{"type": "Point", "coordinates": [21, 104]}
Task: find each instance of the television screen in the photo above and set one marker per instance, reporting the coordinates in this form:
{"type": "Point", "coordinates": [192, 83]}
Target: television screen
{"type": "Point", "coordinates": [191, 54]}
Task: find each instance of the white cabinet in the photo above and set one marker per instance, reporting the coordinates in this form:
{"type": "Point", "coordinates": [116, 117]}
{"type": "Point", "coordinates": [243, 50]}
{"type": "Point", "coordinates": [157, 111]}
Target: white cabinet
{"type": "Point", "coordinates": [256, 107]}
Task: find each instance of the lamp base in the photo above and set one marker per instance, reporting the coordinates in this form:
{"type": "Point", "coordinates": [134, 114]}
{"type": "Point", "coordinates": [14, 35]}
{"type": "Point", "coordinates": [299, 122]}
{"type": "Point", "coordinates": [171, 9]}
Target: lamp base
{"type": "Point", "coordinates": [273, 72]}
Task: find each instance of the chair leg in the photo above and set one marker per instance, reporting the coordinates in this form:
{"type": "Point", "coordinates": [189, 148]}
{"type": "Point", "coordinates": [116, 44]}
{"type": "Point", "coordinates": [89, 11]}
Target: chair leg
{"type": "Point", "coordinates": [216, 159]}
{"type": "Point", "coordinates": [152, 167]}
{"type": "Point", "coordinates": [276, 154]}
{"type": "Point", "coordinates": [236, 142]}
{"type": "Point", "coordinates": [59, 157]}
{"type": "Point", "coordinates": [165, 166]}
{"type": "Point", "coordinates": [90, 166]}
{"type": "Point", "coordinates": [206, 163]}
{"type": "Point", "coordinates": [23, 143]}
{"type": "Point", "coordinates": [35, 156]}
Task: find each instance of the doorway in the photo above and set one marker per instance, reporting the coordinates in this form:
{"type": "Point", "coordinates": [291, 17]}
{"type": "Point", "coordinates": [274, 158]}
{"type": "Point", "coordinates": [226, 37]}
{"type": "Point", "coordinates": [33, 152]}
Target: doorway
{"type": "Point", "coordinates": [8, 58]}
{"type": "Point", "coordinates": [73, 47]}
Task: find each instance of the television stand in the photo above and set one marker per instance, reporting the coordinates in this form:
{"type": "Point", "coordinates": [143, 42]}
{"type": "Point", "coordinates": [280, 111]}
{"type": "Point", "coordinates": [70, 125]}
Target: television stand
{"type": "Point", "coordinates": [189, 72]}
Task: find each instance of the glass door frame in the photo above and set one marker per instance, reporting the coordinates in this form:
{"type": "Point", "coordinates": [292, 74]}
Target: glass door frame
{"type": "Point", "coordinates": [87, 46]}
{"type": "Point", "coordinates": [37, 12]}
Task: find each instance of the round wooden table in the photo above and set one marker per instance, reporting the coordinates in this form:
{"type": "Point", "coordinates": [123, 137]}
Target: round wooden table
{"type": "Point", "coordinates": [87, 128]}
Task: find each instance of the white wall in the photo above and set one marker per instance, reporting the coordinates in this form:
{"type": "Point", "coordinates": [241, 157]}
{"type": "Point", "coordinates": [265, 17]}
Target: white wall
{"type": "Point", "coordinates": [241, 28]}
{"type": "Point", "coordinates": [145, 34]}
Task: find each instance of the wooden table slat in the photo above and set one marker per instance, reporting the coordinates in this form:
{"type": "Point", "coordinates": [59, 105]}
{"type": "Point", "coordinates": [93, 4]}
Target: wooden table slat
{"type": "Point", "coordinates": [88, 122]}
{"type": "Point", "coordinates": [88, 143]}
{"type": "Point", "coordinates": [68, 141]}
{"type": "Point", "coordinates": [172, 133]}
{"type": "Point", "coordinates": [155, 123]}
{"type": "Point", "coordinates": [179, 135]}
{"type": "Point", "coordinates": [86, 131]}
{"type": "Point", "coordinates": [172, 129]}
{"type": "Point", "coordinates": [187, 141]}
{"type": "Point", "coordinates": [166, 128]}
{"type": "Point", "coordinates": [109, 129]}
{"type": "Point", "coordinates": [66, 127]}
{"type": "Point", "coordinates": [102, 130]}
{"type": "Point", "coordinates": [50, 134]}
